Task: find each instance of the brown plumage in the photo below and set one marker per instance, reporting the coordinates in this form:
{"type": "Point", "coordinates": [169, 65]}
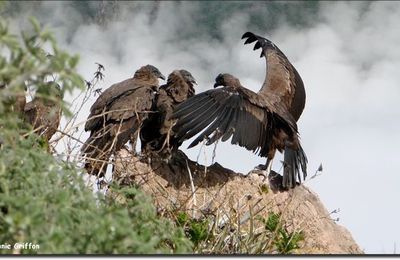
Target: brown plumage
{"type": "Point", "coordinates": [44, 114]}
{"type": "Point", "coordinates": [261, 122]}
{"type": "Point", "coordinates": [156, 134]}
{"type": "Point", "coordinates": [117, 115]}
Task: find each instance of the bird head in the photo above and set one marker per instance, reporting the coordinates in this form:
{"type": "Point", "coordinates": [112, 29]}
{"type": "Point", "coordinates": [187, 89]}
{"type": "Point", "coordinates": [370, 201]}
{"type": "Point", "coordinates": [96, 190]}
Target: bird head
{"type": "Point", "coordinates": [54, 90]}
{"type": "Point", "coordinates": [219, 80]}
{"type": "Point", "coordinates": [187, 76]}
{"type": "Point", "coordinates": [226, 79]}
{"type": "Point", "coordinates": [152, 70]}
{"type": "Point", "coordinates": [156, 72]}
{"type": "Point", "coordinates": [50, 93]}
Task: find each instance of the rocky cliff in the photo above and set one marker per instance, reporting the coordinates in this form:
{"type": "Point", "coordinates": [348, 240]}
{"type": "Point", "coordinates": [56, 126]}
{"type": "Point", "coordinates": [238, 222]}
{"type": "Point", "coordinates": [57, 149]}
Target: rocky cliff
{"type": "Point", "coordinates": [184, 185]}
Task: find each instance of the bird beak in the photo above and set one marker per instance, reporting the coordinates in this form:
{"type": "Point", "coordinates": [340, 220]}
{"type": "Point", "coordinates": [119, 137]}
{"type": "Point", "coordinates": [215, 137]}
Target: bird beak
{"type": "Point", "coordinates": [162, 77]}
{"type": "Point", "coordinates": [193, 81]}
{"type": "Point", "coordinates": [216, 85]}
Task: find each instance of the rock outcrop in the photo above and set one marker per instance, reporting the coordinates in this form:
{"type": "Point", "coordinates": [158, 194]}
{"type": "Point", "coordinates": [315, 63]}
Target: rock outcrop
{"type": "Point", "coordinates": [184, 185]}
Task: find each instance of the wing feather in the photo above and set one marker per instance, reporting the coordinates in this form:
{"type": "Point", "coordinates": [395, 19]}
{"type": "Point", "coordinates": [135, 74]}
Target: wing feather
{"type": "Point", "coordinates": [210, 129]}
{"type": "Point", "coordinates": [199, 111]}
{"type": "Point", "coordinates": [223, 125]}
{"type": "Point", "coordinates": [189, 130]}
{"type": "Point", "coordinates": [186, 107]}
{"type": "Point", "coordinates": [228, 112]}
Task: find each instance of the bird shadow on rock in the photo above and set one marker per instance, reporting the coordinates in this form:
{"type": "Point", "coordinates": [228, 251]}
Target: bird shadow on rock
{"type": "Point", "coordinates": [180, 171]}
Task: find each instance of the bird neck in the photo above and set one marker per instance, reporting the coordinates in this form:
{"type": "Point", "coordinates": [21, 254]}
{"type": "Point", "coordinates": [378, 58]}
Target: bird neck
{"type": "Point", "coordinates": [232, 82]}
{"type": "Point", "coordinates": [176, 82]}
{"type": "Point", "coordinates": [46, 101]}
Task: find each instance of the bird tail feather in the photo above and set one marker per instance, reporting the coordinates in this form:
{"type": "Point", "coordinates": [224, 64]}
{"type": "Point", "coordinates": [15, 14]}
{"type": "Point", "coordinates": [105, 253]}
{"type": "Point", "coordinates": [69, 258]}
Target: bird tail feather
{"type": "Point", "coordinates": [97, 150]}
{"type": "Point", "coordinates": [295, 160]}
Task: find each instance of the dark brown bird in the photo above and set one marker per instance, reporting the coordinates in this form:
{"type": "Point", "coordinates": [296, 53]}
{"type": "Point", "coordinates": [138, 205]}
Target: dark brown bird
{"type": "Point", "coordinates": [156, 134]}
{"type": "Point", "coordinates": [44, 114]}
{"type": "Point", "coordinates": [117, 115]}
{"type": "Point", "coordinates": [261, 122]}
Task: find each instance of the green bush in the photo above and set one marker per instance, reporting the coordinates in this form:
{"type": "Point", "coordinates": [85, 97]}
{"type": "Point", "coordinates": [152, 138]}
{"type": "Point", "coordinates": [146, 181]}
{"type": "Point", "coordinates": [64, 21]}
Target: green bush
{"type": "Point", "coordinates": [44, 200]}
{"type": "Point", "coordinates": [285, 242]}
{"type": "Point", "coordinates": [196, 230]}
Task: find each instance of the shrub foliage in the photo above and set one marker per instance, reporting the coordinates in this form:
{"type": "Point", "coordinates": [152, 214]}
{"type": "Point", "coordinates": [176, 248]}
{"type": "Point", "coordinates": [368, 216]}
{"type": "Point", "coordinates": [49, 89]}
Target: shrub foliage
{"type": "Point", "coordinates": [44, 200]}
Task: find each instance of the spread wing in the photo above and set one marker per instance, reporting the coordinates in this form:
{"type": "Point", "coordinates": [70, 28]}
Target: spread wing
{"type": "Point", "coordinates": [282, 78]}
{"type": "Point", "coordinates": [233, 112]}
{"type": "Point", "coordinates": [278, 64]}
{"type": "Point", "coordinates": [284, 88]}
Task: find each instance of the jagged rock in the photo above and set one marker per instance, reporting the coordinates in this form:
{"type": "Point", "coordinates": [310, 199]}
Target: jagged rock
{"type": "Point", "coordinates": [184, 185]}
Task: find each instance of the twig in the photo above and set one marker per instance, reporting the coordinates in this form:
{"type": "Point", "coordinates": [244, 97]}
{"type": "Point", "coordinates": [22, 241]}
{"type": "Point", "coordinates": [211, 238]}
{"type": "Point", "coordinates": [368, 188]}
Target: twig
{"type": "Point", "coordinates": [316, 172]}
{"type": "Point", "coordinates": [193, 188]}
{"type": "Point", "coordinates": [214, 154]}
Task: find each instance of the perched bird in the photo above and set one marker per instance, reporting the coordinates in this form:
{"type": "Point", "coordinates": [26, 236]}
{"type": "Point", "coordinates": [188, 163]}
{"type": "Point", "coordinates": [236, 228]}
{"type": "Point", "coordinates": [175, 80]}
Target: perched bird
{"type": "Point", "coordinates": [117, 115]}
{"type": "Point", "coordinates": [261, 122]}
{"type": "Point", "coordinates": [156, 134]}
{"type": "Point", "coordinates": [44, 114]}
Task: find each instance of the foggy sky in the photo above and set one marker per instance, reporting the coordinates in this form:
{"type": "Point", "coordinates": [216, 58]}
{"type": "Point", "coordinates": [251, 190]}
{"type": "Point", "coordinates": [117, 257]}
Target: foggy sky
{"type": "Point", "coordinates": [349, 60]}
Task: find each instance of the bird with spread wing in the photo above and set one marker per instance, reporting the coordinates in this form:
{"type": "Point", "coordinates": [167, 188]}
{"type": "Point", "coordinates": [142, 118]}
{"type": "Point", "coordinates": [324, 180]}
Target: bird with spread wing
{"type": "Point", "coordinates": [117, 116]}
{"type": "Point", "coordinates": [261, 122]}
